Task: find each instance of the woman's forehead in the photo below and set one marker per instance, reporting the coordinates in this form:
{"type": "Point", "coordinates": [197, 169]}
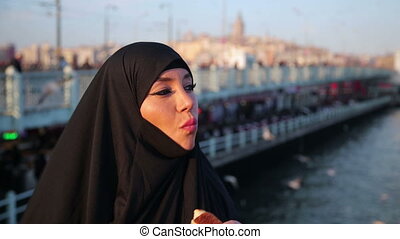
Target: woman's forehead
{"type": "Point", "coordinates": [179, 71]}
{"type": "Point", "coordinates": [174, 74]}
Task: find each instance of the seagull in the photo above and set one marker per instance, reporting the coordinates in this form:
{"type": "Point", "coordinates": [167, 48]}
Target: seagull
{"type": "Point", "coordinates": [295, 184]}
{"type": "Point", "coordinates": [303, 159]}
{"type": "Point", "coordinates": [231, 180]}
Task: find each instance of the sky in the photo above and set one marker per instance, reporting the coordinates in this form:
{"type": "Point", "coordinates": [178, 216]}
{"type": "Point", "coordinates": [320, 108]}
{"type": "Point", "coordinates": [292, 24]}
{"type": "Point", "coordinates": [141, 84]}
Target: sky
{"type": "Point", "coordinates": [369, 27]}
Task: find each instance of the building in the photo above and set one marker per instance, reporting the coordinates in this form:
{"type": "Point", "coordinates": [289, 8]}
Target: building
{"type": "Point", "coordinates": [397, 61]}
{"type": "Point", "coordinates": [237, 36]}
{"type": "Point", "coordinates": [47, 56]}
{"type": "Point", "coordinates": [7, 52]}
{"type": "Point", "coordinates": [39, 57]}
{"type": "Point", "coordinates": [43, 56]}
{"type": "Point", "coordinates": [30, 55]}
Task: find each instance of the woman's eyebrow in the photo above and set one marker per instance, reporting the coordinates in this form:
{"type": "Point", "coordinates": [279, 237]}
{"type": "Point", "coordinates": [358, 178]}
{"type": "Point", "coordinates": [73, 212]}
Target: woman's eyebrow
{"type": "Point", "coordinates": [169, 79]}
{"type": "Point", "coordinates": [164, 79]}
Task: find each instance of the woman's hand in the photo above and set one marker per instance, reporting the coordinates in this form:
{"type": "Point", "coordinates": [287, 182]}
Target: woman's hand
{"type": "Point", "coordinates": [203, 217]}
{"type": "Point", "coordinates": [232, 222]}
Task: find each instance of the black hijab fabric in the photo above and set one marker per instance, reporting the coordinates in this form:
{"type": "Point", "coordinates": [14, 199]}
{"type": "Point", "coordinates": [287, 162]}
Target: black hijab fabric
{"type": "Point", "coordinates": [112, 166]}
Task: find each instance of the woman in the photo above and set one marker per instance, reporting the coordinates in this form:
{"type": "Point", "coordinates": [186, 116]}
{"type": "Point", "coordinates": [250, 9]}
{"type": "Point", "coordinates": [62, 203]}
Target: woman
{"type": "Point", "coordinates": [128, 153]}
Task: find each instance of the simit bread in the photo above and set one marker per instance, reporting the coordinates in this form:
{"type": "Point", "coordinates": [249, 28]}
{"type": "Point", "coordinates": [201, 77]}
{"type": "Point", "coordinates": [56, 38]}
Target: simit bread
{"type": "Point", "coordinates": [203, 217]}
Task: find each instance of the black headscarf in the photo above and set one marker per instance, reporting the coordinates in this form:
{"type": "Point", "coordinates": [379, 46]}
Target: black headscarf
{"type": "Point", "coordinates": [112, 166]}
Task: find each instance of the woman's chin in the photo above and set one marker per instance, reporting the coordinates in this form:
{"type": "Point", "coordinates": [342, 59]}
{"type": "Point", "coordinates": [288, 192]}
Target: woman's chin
{"type": "Point", "coordinates": [187, 145]}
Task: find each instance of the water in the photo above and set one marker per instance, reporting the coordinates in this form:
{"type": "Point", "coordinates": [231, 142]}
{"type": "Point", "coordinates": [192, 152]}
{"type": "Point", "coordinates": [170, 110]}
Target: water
{"type": "Point", "coordinates": [349, 174]}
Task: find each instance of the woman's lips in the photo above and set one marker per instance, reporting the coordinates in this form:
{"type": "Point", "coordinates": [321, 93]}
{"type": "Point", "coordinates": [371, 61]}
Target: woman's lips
{"type": "Point", "coordinates": [190, 125]}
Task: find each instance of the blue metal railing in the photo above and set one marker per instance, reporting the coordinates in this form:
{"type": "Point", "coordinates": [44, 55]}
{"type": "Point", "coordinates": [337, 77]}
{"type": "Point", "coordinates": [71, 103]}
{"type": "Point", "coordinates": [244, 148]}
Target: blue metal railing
{"type": "Point", "coordinates": [12, 209]}
{"type": "Point", "coordinates": [212, 80]}
{"type": "Point", "coordinates": [272, 133]}
{"type": "Point", "coordinates": [24, 97]}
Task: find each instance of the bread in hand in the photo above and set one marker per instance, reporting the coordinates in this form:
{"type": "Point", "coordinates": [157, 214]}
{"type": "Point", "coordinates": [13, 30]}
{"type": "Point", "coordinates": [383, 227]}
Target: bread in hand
{"type": "Point", "coordinates": [204, 217]}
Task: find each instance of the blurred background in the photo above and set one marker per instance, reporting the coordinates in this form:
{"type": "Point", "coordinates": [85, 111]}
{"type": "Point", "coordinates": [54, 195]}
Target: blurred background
{"type": "Point", "coordinates": [298, 99]}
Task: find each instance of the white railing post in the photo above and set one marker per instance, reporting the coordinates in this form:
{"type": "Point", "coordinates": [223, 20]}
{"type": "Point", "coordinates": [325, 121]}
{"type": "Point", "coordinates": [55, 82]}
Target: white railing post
{"type": "Point", "coordinates": [289, 125]}
{"type": "Point", "coordinates": [70, 86]}
{"type": "Point", "coordinates": [14, 96]}
{"type": "Point", "coordinates": [75, 91]}
{"type": "Point", "coordinates": [254, 135]}
{"type": "Point", "coordinates": [228, 142]}
{"type": "Point", "coordinates": [11, 208]}
{"type": "Point", "coordinates": [214, 83]}
{"type": "Point", "coordinates": [282, 128]}
{"type": "Point", "coordinates": [212, 147]}
{"type": "Point", "coordinates": [255, 75]}
{"type": "Point", "coordinates": [274, 129]}
{"type": "Point", "coordinates": [242, 138]}
{"type": "Point", "coordinates": [293, 74]}
{"type": "Point", "coordinates": [298, 122]}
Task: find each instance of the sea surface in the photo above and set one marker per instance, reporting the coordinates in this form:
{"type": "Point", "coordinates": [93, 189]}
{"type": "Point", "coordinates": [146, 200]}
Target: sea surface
{"type": "Point", "coordinates": [347, 174]}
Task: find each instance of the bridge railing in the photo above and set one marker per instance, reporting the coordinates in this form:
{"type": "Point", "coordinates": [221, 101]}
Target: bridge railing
{"type": "Point", "coordinates": [34, 91]}
{"type": "Point", "coordinates": [12, 209]}
{"type": "Point", "coordinates": [214, 83]}
{"type": "Point", "coordinates": [217, 79]}
{"type": "Point", "coordinates": [42, 90]}
{"type": "Point", "coordinates": [24, 97]}
{"type": "Point", "coordinates": [269, 133]}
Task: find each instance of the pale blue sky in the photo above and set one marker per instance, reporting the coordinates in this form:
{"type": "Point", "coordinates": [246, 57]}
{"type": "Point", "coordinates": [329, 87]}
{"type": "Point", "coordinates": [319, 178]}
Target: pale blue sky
{"type": "Point", "coordinates": [352, 26]}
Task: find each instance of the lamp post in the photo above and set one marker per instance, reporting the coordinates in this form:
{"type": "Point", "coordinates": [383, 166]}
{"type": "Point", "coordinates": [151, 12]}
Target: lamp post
{"type": "Point", "coordinates": [57, 6]}
{"type": "Point", "coordinates": [178, 25]}
{"type": "Point", "coordinates": [136, 35]}
{"type": "Point", "coordinates": [169, 21]}
{"type": "Point", "coordinates": [107, 9]}
{"type": "Point", "coordinates": [58, 20]}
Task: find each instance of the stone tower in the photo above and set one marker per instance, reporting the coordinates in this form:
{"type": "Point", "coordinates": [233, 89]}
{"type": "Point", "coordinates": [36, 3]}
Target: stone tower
{"type": "Point", "coordinates": [238, 30]}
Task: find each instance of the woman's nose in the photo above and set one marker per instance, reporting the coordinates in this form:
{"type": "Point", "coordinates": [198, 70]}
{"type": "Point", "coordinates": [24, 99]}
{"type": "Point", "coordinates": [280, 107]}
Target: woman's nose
{"type": "Point", "coordinates": [185, 101]}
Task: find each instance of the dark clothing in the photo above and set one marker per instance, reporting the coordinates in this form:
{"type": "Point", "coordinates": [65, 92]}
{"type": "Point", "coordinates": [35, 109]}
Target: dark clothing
{"type": "Point", "coordinates": [12, 170]}
{"type": "Point", "coordinates": [39, 165]}
{"type": "Point", "coordinates": [112, 166]}
{"type": "Point", "coordinates": [17, 64]}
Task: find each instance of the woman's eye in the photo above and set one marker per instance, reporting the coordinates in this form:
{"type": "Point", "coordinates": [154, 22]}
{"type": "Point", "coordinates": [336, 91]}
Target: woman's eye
{"type": "Point", "coordinates": [162, 92]}
{"type": "Point", "coordinates": [190, 87]}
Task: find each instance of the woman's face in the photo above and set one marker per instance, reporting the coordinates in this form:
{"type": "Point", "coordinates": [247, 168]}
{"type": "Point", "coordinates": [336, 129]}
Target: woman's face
{"type": "Point", "coordinates": [171, 106]}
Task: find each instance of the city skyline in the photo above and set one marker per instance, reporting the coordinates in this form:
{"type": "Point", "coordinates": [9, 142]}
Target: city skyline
{"type": "Point", "coordinates": [355, 27]}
